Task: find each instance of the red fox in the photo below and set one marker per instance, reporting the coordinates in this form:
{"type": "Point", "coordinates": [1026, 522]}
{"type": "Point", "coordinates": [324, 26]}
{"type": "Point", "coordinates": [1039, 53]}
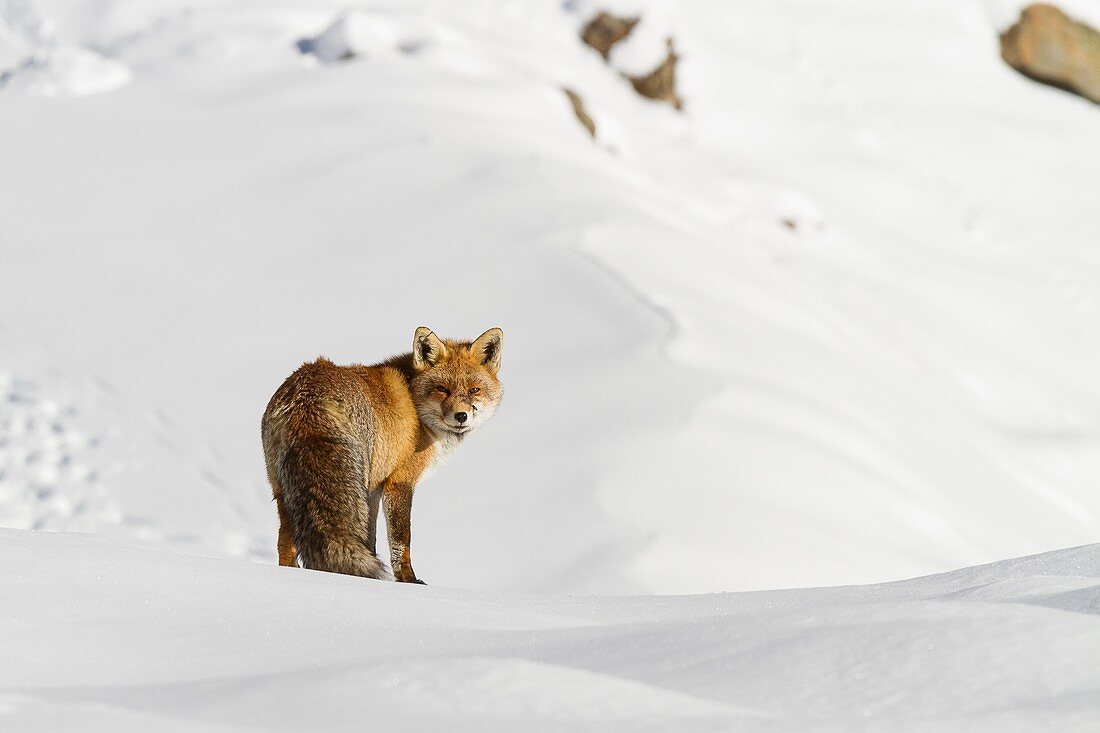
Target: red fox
{"type": "Point", "coordinates": [340, 440]}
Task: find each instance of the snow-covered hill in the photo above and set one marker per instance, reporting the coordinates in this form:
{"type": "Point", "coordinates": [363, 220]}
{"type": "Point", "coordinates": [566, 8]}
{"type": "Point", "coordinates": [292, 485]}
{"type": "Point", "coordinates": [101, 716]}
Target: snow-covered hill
{"type": "Point", "coordinates": [838, 321]}
{"type": "Point", "coordinates": [835, 322]}
{"type": "Point", "coordinates": [118, 635]}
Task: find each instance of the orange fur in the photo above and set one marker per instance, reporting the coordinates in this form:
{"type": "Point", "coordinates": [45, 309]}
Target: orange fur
{"type": "Point", "coordinates": [341, 440]}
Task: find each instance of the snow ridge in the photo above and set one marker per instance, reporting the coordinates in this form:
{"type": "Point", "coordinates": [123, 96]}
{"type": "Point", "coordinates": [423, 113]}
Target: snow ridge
{"type": "Point", "coordinates": [119, 635]}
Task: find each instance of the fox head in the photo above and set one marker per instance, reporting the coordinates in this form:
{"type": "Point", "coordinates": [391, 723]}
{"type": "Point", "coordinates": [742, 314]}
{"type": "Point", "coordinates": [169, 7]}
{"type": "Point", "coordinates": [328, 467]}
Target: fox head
{"type": "Point", "coordinates": [455, 387]}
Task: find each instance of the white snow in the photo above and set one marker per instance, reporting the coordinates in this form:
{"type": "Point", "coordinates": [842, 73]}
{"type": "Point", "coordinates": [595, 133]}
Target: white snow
{"type": "Point", "coordinates": [836, 322]}
{"type": "Point", "coordinates": [120, 635]}
{"type": "Point", "coordinates": [701, 396]}
{"type": "Point", "coordinates": [34, 61]}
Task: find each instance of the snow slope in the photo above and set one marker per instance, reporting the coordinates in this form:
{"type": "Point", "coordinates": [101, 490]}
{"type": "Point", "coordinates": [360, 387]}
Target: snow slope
{"type": "Point", "coordinates": [121, 635]}
{"type": "Point", "coordinates": [699, 396]}
{"type": "Point", "coordinates": [76, 457]}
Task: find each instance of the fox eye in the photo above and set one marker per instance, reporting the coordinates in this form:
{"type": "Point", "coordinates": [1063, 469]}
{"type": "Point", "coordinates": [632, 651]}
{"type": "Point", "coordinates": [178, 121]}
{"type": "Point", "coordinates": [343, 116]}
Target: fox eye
{"type": "Point", "coordinates": [474, 390]}
{"type": "Point", "coordinates": [443, 390]}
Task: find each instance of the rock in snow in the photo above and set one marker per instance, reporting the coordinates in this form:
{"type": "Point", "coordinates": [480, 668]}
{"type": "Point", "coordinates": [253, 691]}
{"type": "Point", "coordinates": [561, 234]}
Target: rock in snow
{"type": "Point", "coordinates": [660, 84]}
{"type": "Point", "coordinates": [605, 30]}
{"type": "Point", "coordinates": [1051, 47]}
{"type": "Point", "coordinates": [578, 109]}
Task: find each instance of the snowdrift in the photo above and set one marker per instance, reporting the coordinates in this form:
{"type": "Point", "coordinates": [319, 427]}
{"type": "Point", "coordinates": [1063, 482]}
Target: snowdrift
{"type": "Point", "coordinates": [834, 322]}
{"type": "Point", "coordinates": [109, 634]}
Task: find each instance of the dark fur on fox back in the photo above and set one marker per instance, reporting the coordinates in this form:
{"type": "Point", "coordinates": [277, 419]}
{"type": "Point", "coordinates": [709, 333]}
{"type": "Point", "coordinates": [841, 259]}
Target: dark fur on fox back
{"type": "Point", "coordinates": [317, 435]}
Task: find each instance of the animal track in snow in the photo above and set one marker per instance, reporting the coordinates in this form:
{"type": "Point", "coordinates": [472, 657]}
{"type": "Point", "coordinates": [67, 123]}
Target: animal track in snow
{"type": "Point", "coordinates": [77, 455]}
{"type": "Point", "coordinates": [51, 470]}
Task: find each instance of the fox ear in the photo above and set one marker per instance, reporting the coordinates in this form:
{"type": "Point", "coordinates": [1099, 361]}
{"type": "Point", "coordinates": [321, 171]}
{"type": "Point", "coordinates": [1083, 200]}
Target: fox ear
{"type": "Point", "coordinates": [428, 350]}
{"type": "Point", "coordinates": [487, 348]}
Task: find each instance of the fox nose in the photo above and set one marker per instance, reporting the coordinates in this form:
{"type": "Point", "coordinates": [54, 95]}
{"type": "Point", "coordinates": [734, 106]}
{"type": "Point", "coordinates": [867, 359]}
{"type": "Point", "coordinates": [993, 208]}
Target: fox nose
{"type": "Point", "coordinates": [460, 416]}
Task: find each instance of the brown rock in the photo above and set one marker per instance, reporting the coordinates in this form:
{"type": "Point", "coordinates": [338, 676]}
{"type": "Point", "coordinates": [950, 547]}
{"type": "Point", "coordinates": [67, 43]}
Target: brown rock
{"type": "Point", "coordinates": [579, 111]}
{"type": "Point", "coordinates": [605, 30]}
{"type": "Point", "coordinates": [1049, 46]}
{"type": "Point", "coordinates": [660, 84]}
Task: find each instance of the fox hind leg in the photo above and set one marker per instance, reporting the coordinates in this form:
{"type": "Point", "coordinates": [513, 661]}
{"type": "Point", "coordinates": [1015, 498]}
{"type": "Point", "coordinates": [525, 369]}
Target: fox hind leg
{"type": "Point", "coordinates": [288, 551]}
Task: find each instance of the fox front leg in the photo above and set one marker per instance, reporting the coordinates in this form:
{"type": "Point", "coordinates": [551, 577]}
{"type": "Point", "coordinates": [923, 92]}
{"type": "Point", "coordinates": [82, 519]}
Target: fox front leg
{"type": "Point", "coordinates": [397, 504]}
{"type": "Point", "coordinates": [373, 499]}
